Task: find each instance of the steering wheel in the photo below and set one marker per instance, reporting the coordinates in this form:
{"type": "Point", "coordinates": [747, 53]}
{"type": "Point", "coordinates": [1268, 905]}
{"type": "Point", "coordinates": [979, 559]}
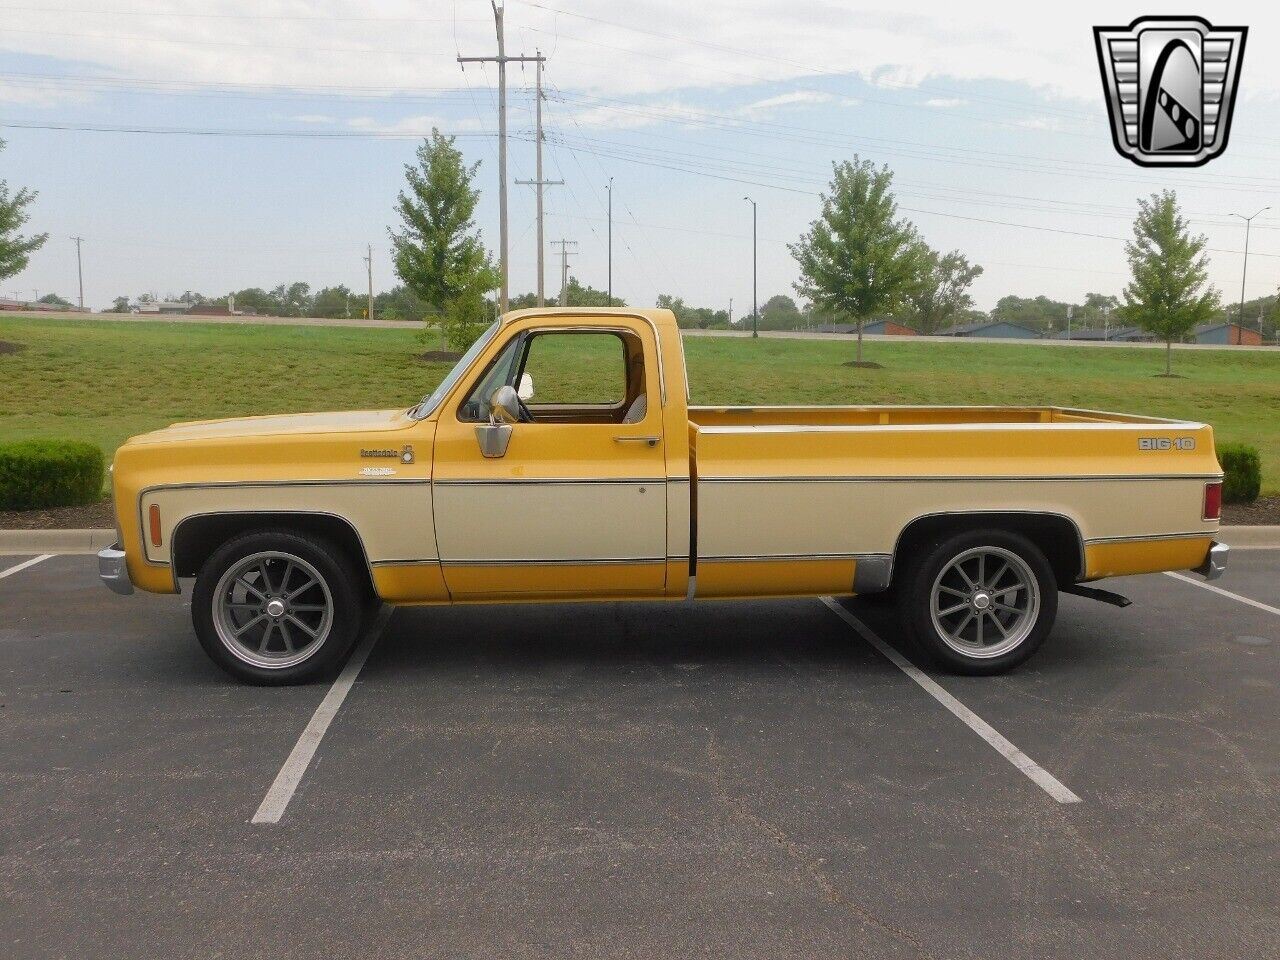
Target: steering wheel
{"type": "Point", "coordinates": [526, 416]}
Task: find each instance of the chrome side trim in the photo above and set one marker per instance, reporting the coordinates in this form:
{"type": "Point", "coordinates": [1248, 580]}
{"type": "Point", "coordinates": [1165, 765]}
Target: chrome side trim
{"type": "Point", "coordinates": [113, 571]}
{"type": "Point", "coordinates": [1190, 535]}
{"type": "Point", "coordinates": [1215, 562]}
{"type": "Point", "coordinates": [550, 481]}
{"type": "Point", "coordinates": [750, 558]}
{"type": "Point", "coordinates": [1044, 478]}
{"type": "Point", "coordinates": [579, 562]}
{"type": "Point", "coordinates": [873, 573]}
{"type": "Point", "coordinates": [404, 563]}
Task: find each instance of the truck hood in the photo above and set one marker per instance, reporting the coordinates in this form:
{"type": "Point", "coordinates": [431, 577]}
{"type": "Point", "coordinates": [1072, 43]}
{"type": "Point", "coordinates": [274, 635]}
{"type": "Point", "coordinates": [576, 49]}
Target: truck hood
{"type": "Point", "coordinates": [294, 424]}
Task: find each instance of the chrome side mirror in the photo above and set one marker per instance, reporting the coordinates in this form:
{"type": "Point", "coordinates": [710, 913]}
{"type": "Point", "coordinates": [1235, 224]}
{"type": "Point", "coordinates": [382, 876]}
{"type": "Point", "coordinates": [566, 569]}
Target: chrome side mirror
{"type": "Point", "coordinates": [504, 405]}
{"type": "Point", "coordinates": [493, 439]}
{"type": "Point", "coordinates": [525, 390]}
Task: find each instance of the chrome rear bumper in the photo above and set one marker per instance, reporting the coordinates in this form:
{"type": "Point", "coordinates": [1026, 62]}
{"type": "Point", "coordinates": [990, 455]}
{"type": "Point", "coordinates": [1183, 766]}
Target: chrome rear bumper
{"type": "Point", "coordinates": [1215, 563]}
{"type": "Point", "coordinates": [112, 570]}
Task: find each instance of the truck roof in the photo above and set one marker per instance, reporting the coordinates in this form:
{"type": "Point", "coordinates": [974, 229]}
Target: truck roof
{"type": "Point", "coordinates": [662, 319]}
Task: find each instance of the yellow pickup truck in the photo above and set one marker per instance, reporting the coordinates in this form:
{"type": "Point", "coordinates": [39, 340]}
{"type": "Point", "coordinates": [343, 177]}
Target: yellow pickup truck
{"type": "Point", "coordinates": [561, 460]}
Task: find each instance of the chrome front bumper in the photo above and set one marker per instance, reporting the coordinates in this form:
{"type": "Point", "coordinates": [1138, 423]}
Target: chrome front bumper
{"type": "Point", "coordinates": [112, 570]}
{"type": "Point", "coordinates": [1215, 564]}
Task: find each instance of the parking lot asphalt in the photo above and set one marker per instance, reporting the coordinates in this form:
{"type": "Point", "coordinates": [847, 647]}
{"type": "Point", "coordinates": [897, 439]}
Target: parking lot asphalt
{"type": "Point", "coordinates": [646, 780]}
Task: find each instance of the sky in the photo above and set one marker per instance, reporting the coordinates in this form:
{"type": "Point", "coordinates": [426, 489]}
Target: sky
{"type": "Point", "coordinates": [233, 143]}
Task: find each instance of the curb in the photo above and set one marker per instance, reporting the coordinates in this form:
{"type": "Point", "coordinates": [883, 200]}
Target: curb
{"type": "Point", "coordinates": [21, 542]}
{"type": "Point", "coordinates": [15, 542]}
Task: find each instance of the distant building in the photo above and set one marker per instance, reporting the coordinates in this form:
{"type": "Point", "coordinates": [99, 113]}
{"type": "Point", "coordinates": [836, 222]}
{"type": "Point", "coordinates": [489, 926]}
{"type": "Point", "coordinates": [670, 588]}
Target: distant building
{"type": "Point", "coordinates": [163, 306]}
{"type": "Point", "coordinates": [885, 328]}
{"type": "Point", "coordinates": [1111, 334]}
{"type": "Point", "coordinates": [991, 328]}
{"type": "Point", "coordinates": [31, 306]}
{"type": "Point", "coordinates": [1231, 334]}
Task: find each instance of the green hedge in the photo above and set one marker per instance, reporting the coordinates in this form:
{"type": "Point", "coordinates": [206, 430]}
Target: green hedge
{"type": "Point", "coordinates": [35, 474]}
{"type": "Point", "coordinates": [1243, 468]}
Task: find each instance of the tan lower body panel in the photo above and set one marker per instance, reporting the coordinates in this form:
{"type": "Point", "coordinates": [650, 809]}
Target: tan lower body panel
{"type": "Point", "coordinates": [775, 578]}
{"type": "Point", "coordinates": [1121, 558]}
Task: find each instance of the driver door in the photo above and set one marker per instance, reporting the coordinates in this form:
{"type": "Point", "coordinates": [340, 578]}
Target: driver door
{"type": "Point", "coordinates": [576, 506]}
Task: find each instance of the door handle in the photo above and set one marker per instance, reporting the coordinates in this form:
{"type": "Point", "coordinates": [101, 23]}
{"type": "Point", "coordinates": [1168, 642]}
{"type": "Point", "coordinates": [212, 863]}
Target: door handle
{"type": "Point", "coordinates": [651, 441]}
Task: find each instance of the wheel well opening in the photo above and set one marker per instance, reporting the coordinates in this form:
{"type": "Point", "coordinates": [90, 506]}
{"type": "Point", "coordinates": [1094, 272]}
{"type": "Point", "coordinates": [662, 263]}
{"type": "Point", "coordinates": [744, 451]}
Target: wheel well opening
{"type": "Point", "coordinates": [196, 538]}
{"type": "Point", "coordinates": [1056, 536]}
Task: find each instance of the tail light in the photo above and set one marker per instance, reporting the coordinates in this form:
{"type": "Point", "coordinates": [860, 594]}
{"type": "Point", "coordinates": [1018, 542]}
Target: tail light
{"type": "Point", "coordinates": [155, 525]}
{"type": "Point", "coordinates": [1213, 500]}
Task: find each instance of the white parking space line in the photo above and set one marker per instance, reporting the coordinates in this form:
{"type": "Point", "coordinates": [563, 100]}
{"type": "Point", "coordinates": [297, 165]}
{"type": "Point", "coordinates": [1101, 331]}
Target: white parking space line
{"type": "Point", "coordinates": [1040, 776]}
{"type": "Point", "coordinates": [295, 767]}
{"type": "Point", "coordinates": [1226, 593]}
{"type": "Point", "coordinates": [22, 566]}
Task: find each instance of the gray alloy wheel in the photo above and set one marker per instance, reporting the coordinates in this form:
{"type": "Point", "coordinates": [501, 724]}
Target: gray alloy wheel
{"type": "Point", "coordinates": [985, 602]}
{"type": "Point", "coordinates": [272, 610]}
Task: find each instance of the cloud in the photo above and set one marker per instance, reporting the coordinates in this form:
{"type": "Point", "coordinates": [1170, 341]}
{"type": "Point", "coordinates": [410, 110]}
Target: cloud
{"type": "Point", "coordinates": [945, 103]}
{"type": "Point", "coordinates": [314, 118]}
{"type": "Point", "coordinates": [643, 48]}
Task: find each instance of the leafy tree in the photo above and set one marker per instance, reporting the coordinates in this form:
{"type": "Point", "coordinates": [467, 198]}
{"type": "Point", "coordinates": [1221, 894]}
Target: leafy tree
{"type": "Point", "coordinates": [292, 300]}
{"type": "Point", "coordinates": [857, 259]}
{"type": "Point", "coordinates": [1167, 295]}
{"type": "Point", "coordinates": [437, 254]}
{"type": "Point", "coordinates": [943, 290]}
{"type": "Point", "coordinates": [193, 298]}
{"type": "Point", "coordinates": [53, 300]}
{"type": "Point", "coordinates": [334, 301]}
{"type": "Point", "coordinates": [1038, 313]}
{"type": "Point", "coordinates": [780, 313]}
{"type": "Point", "coordinates": [702, 318]}
{"type": "Point", "coordinates": [401, 303]}
{"type": "Point", "coordinates": [254, 300]}
{"type": "Point", "coordinates": [120, 305]}
{"type": "Point", "coordinates": [576, 295]}
{"type": "Point", "coordinates": [15, 249]}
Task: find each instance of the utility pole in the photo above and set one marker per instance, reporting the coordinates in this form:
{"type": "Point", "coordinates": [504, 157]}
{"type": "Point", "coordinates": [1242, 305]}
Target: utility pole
{"type": "Point", "coordinates": [539, 183]}
{"type": "Point", "coordinates": [501, 60]}
{"type": "Point", "coordinates": [1248, 222]}
{"type": "Point", "coordinates": [368, 263]}
{"type": "Point", "coordinates": [731, 311]}
{"type": "Point", "coordinates": [609, 187]}
{"type": "Point", "coordinates": [80, 270]}
{"type": "Point", "coordinates": [755, 308]}
{"type": "Point", "coordinates": [564, 246]}
{"type": "Point", "coordinates": [1070, 309]}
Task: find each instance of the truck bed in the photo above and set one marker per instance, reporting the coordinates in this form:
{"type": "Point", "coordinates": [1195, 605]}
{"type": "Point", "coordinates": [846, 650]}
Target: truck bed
{"type": "Point", "coordinates": [810, 491]}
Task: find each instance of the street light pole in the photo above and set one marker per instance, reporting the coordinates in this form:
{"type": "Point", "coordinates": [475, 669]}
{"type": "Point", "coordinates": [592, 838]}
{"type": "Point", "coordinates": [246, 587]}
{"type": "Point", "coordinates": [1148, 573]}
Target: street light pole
{"type": "Point", "coordinates": [755, 308]}
{"type": "Point", "coordinates": [1244, 269]}
{"type": "Point", "coordinates": [610, 189]}
{"type": "Point", "coordinates": [80, 270]}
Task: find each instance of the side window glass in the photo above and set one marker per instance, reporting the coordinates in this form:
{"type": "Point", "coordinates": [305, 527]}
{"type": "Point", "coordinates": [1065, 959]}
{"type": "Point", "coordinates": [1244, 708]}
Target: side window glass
{"type": "Point", "coordinates": [475, 409]}
{"type": "Point", "coordinates": [577, 369]}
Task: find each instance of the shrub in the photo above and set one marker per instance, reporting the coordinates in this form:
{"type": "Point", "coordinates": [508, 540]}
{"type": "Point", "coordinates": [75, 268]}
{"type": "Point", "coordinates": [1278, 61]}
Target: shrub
{"type": "Point", "coordinates": [1243, 469]}
{"type": "Point", "coordinates": [35, 474]}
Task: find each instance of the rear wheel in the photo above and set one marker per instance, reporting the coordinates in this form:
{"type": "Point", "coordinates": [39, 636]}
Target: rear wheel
{"type": "Point", "coordinates": [980, 602]}
{"type": "Point", "coordinates": [277, 607]}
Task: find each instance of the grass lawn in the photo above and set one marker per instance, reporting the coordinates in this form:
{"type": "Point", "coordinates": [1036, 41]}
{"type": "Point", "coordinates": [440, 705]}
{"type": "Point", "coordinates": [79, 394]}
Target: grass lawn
{"type": "Point", "coordinates": [104, 380]}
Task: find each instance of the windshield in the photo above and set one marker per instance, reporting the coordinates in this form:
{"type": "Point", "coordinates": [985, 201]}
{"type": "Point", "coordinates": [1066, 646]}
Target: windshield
{"type": "Point", "coordinates": [433, 399]}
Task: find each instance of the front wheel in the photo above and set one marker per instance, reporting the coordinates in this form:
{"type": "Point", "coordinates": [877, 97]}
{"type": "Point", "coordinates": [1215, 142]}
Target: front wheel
{"type": "Point", "coordinates": [277, 607]}
{"type": "Point", "coordinates": [980, 602]}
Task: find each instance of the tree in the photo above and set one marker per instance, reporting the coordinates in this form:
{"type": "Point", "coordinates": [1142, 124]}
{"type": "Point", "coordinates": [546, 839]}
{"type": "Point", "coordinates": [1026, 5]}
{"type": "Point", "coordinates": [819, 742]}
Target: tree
{"type": "Point", "coordinates": [53, 300]}
{"type": "Point", "coordinates": [120, 305]}
{"type": "Point", "coordinates": [1039, 313]}
{"type": "Point", "coordinates": [15, 249]}
{"type": "Point", "coordinates": [292, 300]}
{"type": "Point", "coordinates": [579, 296]}
{"type": "Point", "coordinates": [1167, 295]}
{"type": "Point", "coordinates": [437, 254]}
{"type": "Point", "coordinates": [858, 259]}
{"type": "Point", "coordinates": [697, 318]}
{"type": "Point", "coordinates": [943, 290]}
{"type": "Point", "coordinates": [780, 313]}
{"type": "Point", "coordinates": [333, 301]}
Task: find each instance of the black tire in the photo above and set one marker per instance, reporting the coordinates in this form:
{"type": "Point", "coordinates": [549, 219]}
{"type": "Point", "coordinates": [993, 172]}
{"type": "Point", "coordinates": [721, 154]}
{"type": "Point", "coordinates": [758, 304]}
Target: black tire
{"type": "Point", "coordinates": [962, 651]}
{"type": "Point", "coordinates": [339, 588]}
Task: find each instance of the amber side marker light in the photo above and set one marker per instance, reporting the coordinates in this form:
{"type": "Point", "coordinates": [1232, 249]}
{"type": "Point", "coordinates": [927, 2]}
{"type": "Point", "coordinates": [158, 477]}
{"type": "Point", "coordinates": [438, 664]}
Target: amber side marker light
{"type": "Point", "coordinates": [1213, 500]}
{"type": "Point", "coordinates": [155, 524]}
